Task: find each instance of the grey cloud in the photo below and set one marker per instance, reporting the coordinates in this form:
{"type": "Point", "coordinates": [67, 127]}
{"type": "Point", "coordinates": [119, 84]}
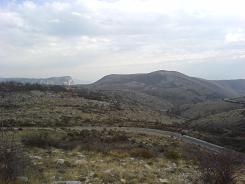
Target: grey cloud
{"type": "Point", "coordinates": [134, 37]}
{"type": "Point", "coordinates": [62, 23]}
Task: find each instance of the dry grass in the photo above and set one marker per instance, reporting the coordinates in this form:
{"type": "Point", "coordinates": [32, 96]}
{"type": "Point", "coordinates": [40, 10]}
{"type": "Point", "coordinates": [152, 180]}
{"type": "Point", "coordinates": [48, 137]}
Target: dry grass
{"type": "Point", "coordinates": [122, 158]}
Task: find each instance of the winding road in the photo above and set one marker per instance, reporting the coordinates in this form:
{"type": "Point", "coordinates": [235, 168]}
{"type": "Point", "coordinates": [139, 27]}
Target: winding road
{"type": "Point", "coordinates": [234, 101]}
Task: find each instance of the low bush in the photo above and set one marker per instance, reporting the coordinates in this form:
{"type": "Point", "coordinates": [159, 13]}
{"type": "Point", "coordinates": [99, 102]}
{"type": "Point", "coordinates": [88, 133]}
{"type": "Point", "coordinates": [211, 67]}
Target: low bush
{"type": "Point", "coordinates": [141, 152]}
{"type": "Point", "coordinates": [13, 161]}
{"type": "Point", "coordinates": [41, 140]}
{"type": "Point", "coordinates": [220, 168]}
{"type": "Point", "coordinates": [172, 154]}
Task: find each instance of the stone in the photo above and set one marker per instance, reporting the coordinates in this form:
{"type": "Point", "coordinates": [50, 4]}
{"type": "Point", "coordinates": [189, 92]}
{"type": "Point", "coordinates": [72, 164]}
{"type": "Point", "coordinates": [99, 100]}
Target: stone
{"type": "Point", "coordinates": [163, 180]}
{"type": "Point", "coordinates": [148, 167]}
{"type": "Point", "coordinates": [67, 182]}
{"type": "Point", "coordinates": [108, 171]}
{"type": "Point", "coordinates": [170, 169]}
{"type": "Point", "coordinates": [53, 177]}
{"type": "Point", "coordinates": [123, 180]}
{"type": "Point", "coordinates": [81, 162]}
{"type": "Point", "coordinates": [81, 156]}
{"type": "Point", "coordinates": [23, 179]}
{"type": "Point", "coordinates": [60, 161]}
{"type": "Point", "coordinates": [36, 157]}
{"type": "Point", "coordinates": [91, 174]}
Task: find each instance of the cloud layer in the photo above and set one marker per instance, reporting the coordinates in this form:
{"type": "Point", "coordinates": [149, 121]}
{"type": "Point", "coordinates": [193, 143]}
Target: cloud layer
{"type": "Point", "coordinates": [88, 39]}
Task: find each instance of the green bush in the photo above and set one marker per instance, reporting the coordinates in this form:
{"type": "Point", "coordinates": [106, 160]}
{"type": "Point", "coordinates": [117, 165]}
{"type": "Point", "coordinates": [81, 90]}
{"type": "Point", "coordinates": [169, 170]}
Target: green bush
{"type": "Point", "coordinates": [172, 154]}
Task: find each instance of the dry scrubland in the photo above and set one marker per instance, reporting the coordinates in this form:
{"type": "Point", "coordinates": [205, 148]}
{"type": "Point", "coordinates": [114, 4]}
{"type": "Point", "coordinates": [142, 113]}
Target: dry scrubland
{"type": "Point", "coordinates": [105, 156]}
{"type": "Point", "coordinates": [37, 108]}
{"type": "Point", "coordinates": [111, 156]}
{"type": "Point", "coordinates": [219, 122]}
{"type": "Point", "coordinates": [58, 153]}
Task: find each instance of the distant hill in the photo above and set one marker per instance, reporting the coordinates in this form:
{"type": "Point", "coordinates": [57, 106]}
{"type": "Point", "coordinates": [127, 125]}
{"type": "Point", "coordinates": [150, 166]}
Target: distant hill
{"type": "Point", "coordinates": [175, 87]}
{"type": "Point", "coordinates": [66, 80]}
{"type": "Point", "coordinates": [237, 86]}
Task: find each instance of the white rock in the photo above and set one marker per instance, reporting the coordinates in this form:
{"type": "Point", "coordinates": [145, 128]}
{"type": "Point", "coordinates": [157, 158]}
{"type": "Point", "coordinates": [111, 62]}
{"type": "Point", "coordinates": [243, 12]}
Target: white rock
{"type": "Point", "coordinates": [60, 161]}
{"type": "Point", "coordinates": [174, 165]}
{"type": "Point", "coordinates": [23, 179]}
{"type": "Point", "coordinates": [91, 174]}
{"type": "Point", "coordinates": [53, 177]}
{"type": "Point", "coordinates": [67, 182]}
{"type": "Point", "coordinates": [81, 162]}
{"type": "Point", "coordinates": [108, 171]}
{"type": "Point", "coordinates": [81, 156]}
{"type": "Point", "coordinates": [123, 180]}
{"type": "Point", "coordinates": [163, 180]}
{"type": "Point", "coordinates": [36, 157]}
{"type": "Point", "coordinates": [148, 167]}
{"type": "Point", "coordinates": [170, 169]}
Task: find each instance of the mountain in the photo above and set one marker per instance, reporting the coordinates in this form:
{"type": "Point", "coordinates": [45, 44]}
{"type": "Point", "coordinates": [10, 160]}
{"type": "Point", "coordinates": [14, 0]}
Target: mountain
{"type": "Point", "coordinates": [66, 80]}
{"type": "Point", "coordinates": [234, 85]}
{"type": "Point", "coordinates": [175, 87]}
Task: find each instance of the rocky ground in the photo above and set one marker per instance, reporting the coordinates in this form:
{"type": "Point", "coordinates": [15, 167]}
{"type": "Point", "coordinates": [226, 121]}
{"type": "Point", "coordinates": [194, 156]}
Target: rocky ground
{"type": "Point", "coordinates": [51, 109]}
{"type": "Point", "coordinates": [90, 156]}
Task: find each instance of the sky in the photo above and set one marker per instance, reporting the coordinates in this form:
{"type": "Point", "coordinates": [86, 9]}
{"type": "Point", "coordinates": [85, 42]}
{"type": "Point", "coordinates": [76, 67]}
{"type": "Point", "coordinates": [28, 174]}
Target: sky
{"type": "Point", "coordinates": [87, 39]}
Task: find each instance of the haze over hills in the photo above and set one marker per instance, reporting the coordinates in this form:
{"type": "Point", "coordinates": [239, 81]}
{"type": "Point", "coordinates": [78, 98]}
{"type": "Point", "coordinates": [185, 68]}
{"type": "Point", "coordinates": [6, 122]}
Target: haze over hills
{"type": "Point", "coordinates": [172, 86]}
{"type": "Point", "coordinates": [66, 80]}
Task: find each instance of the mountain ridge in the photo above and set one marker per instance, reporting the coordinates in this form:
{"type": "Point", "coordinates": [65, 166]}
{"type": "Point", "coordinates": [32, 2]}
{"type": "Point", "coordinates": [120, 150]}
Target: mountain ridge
{"type": "Point", "coordinates": [173, 86]}
{"type": "Point", "coordinates": [64, 80]}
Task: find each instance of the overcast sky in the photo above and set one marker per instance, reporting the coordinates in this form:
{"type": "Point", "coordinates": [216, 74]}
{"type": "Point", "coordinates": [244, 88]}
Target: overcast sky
{"type": "Point", "coordinates": [87, 39]}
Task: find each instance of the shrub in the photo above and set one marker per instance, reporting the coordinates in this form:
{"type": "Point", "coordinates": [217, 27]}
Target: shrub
{"type": "Point", "coordinates": [173, 155]}
{"type": "Point", "coordinates": [41, 140]}
{"type": "Point", "coordinates": [220, 168]}
{"type": "Point", "coordinates": [142, 152]}
{"type": "Point", "coordinates": [13, 161]}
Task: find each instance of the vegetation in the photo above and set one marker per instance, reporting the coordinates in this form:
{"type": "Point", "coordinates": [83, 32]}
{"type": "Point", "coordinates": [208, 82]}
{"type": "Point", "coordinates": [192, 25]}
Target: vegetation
{"type": "Point", "coordinates": [220, 168]}
{"type": "Point", "coordinates": [49, 121]}
{"type": "Point", "coordinates": [23, 87]}
{"type": "Point", "coordinates": [104, 156]}
{"type": "Point", "coordinates": [13, 160]}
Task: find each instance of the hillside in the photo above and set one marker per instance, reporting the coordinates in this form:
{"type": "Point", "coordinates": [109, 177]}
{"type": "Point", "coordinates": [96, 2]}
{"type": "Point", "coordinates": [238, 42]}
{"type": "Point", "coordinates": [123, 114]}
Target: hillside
{"type": "Point", "coordinates": [174, 87]}
{"type": "Point", "coordinates": [224, 128]}
{"type": "Point", "coordinates": [66, 80]}
{"type": "Point", "coordinates": [73, 133]}
{"type": "Point", "coordinates": [233, 85]}
{"type": "Point", "coordinates": [203, 109]}
{"type": "Point", "coordinates": [162, 100]}
{"type": "Point", "coordinates": [36, 105]}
